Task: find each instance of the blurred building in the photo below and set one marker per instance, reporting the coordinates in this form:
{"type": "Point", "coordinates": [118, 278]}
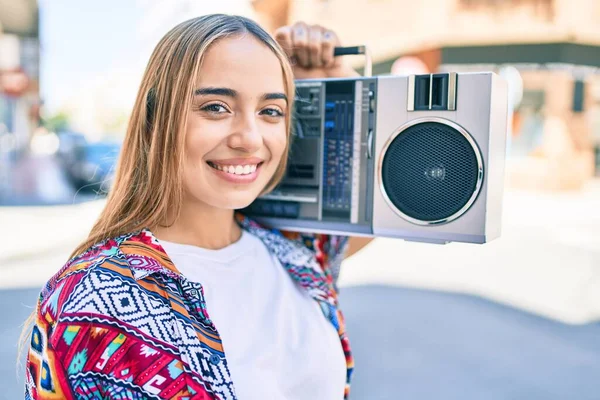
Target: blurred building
{"type": "Point", "coordinates": [19, 71]}
{"type": "Point", "coordinates": [19, 88]}
{"type": "Point", "coordinates": [553, 44]}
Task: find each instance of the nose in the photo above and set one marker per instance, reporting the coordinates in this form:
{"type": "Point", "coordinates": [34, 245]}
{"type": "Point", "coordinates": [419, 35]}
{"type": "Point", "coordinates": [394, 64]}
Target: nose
{"type": "Point", "coordinates": [245, 137]}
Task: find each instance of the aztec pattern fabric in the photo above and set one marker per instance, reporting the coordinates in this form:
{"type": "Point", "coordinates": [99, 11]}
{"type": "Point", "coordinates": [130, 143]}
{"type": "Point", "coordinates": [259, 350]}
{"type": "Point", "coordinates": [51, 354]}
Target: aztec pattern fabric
{"type": "Point", "coordinates": [120, 322]}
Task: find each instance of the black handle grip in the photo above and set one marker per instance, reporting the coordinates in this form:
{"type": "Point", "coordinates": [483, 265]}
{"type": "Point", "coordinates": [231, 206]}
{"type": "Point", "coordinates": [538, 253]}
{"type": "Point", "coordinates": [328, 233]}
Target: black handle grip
{"type": "Point", "coordinates": [349, 51]}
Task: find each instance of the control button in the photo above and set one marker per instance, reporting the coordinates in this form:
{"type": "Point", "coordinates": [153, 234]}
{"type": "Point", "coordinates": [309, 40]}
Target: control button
{"type": "Point", "coordinates": [370, 144]}
{"type": "Point", "coordinates": [277, 209]}
{"type": "Point", "coordinates": [371, 101]}
{"type": "Point", "coordinates": [265, 208]}
{"type": "Point", "coordinates": [329, 125]}
{"type": "Point", "coordinates": [291, 210]}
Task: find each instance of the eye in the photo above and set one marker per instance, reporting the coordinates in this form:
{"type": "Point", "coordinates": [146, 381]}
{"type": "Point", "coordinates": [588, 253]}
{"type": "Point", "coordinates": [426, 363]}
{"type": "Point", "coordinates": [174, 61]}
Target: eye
{"type": "Point", "coordinates": [272, 112]}
{"type": "Point", "coordinates": [214, 108]}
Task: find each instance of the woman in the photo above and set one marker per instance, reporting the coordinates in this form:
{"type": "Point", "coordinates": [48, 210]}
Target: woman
{"type": "Point", "coordinates": [173, 295]}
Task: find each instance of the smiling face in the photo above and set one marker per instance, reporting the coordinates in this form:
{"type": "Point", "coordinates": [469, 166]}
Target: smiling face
{"type": "Point", "coordinates": [236, 131]}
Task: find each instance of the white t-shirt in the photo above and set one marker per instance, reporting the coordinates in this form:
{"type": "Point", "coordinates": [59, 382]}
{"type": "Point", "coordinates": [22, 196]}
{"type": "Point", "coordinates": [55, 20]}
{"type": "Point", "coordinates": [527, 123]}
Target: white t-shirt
{"type": "Point", "coordinates": [277, 342]}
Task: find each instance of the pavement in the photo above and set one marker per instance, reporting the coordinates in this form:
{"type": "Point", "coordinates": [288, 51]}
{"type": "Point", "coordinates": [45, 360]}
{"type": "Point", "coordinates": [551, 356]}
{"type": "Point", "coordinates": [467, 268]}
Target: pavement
{"type": "Point", "coordinates": [422, 344]}
{"type": "Point", "coordinates": [33, 233]}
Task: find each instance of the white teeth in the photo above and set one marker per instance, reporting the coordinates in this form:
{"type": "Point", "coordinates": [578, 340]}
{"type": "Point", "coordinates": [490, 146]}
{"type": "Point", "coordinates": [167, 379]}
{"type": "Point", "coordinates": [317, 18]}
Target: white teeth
{"type": "Point", "coordinates": [236, 169]}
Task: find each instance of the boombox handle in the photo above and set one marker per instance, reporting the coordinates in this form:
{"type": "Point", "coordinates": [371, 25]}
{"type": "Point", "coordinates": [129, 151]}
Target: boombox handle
{"type": "Point", "coordinates": [357, 50]}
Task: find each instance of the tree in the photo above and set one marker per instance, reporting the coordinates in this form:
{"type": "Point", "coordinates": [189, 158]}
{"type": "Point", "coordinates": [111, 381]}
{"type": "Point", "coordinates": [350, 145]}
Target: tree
{"type": "Point", "coordinates": [57, 122]}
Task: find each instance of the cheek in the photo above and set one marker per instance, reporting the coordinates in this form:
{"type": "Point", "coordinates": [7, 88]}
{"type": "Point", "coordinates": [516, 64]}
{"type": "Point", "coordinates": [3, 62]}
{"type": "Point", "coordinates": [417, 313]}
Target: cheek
{"type": "Point", "coordinates": [197, 141]}
{"type": "Point", "coordinates": [193, 140]}
{"type": "Point", "coordinates": [276, 141]}
{"type": "Point", "coordinates": [194, 147]}
{"type": "Point", "coordinates": [201, 138]}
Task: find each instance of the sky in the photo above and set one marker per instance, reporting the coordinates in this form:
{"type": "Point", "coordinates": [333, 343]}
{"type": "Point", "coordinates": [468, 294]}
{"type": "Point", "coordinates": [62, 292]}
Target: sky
{"type": "Point", "coordinates": [93, 54]}
{"type": "Point", "coordinates": [83, 40]}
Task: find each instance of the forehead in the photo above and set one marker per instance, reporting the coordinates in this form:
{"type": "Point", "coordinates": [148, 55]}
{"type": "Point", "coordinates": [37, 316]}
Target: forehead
{"type": "Point", "coordinates": [242, 63]}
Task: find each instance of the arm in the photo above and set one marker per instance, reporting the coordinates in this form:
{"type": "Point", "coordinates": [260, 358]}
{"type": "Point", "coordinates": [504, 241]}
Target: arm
{"type": "Point", "coordinates": [310, 48]}
{"type": "Point", "coordinates": [355, 244]}
{"type": "Point", "coordinates": [45, 375]}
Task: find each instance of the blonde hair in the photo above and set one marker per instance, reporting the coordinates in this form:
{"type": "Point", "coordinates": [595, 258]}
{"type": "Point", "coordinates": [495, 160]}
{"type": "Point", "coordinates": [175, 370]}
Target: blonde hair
{"type": "Point", "coordinates": [148, 188]}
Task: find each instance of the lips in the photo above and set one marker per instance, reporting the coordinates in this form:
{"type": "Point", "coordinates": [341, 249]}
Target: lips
{"type": "Point", "coordinates": [241, 174]}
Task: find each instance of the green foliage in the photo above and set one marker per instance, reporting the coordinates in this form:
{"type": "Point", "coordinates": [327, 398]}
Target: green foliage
{"type": "Point", "coordinates": [57, 122]}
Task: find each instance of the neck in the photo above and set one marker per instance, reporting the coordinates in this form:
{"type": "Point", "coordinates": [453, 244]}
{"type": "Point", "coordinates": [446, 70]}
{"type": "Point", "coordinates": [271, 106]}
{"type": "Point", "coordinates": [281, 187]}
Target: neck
{"type": "Point", "coordinates": [201, 225]}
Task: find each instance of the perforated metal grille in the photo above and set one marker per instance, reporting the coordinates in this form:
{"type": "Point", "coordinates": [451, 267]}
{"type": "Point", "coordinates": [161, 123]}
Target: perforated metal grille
{"type": "Point", "coordinates": [429, 171]}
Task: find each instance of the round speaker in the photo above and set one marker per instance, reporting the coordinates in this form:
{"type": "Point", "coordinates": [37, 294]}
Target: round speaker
{"type": "Point", "coordinates": [430, 171]}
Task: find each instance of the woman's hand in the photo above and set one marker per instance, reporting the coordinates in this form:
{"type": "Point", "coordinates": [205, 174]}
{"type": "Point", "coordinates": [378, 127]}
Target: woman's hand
{"type": "Point", "coordinates": [310, 49]}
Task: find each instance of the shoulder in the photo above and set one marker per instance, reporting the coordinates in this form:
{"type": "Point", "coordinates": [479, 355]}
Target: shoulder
{"type": "Point", "coordinates": [98, 324]}
{"type": "Point", "coordinates": [326, 247]}
{"type": "Point", "coordinates": [103, 258]}
{"type": "Point", "coordinates": [329, 246]}
{"type": "Point", "coordinates": [103, 290]}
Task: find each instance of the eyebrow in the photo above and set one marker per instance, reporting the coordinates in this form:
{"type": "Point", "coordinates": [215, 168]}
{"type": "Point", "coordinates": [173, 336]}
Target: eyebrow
{"type": "Point", "coordinates": [222, 91]}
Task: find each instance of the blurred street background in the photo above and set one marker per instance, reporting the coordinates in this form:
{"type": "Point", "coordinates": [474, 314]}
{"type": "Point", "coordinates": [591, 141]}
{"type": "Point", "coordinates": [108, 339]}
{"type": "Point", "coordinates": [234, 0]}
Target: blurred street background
{"type": "Point", "coordinates": [517, 318]}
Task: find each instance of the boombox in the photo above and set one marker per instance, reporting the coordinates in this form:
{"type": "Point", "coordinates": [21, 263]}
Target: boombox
{"type": "Point", "coordinates": [416, 157]}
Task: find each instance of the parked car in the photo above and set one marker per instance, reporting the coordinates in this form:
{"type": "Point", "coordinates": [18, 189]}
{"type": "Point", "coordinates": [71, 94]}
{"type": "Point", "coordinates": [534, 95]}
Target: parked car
{"type": "Point", "coordinates": [91, 165]}
{"type": "Point", "coordinates": [69, 144]}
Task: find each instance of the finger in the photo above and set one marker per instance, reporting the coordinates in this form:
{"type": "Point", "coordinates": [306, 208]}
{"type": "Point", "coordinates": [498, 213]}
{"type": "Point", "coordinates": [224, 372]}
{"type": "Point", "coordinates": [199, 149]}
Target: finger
{"type": "Point", "coordinates": [283, 36]}
{"type": "Point", "coordinates": [300, 43]}
{"type": "Point", "coordinates": [330, 42]}
{"type": "Point", "coordinates": [315, 44]}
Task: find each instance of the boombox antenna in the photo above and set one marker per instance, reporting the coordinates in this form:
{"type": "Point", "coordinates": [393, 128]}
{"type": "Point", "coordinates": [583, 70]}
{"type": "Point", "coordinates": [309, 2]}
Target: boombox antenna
{"type": "Point", "coordinates": [357, 50]}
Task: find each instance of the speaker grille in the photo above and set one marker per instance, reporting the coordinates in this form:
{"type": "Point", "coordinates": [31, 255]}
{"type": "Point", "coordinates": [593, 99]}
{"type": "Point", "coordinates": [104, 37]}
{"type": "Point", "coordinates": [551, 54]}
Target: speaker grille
{"type": "Point", "coordinates": [430, 172]}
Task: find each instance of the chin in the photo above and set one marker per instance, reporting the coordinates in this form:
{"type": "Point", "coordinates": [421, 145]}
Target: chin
{"type": "Point", "coordinates": [240, 205]}
{"type": "Point", "coordinates": [234, 202]}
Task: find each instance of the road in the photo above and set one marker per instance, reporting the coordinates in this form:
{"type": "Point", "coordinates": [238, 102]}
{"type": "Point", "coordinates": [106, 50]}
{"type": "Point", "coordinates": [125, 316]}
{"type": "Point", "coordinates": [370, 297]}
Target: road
{"type": "Point", "coordinates": [419, 344]}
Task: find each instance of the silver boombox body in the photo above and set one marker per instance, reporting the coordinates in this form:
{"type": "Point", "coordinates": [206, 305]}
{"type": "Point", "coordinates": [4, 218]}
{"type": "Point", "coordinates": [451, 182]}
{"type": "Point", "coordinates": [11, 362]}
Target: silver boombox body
{"type": "Point", "coordinates": [417, 157]}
